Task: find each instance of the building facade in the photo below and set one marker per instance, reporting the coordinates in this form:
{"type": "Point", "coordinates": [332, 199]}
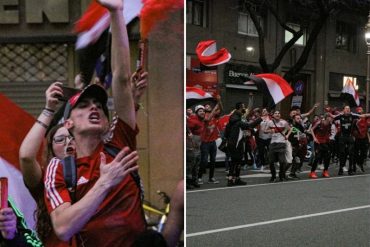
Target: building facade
{"type": "Point", "coordinates": [338, 54]}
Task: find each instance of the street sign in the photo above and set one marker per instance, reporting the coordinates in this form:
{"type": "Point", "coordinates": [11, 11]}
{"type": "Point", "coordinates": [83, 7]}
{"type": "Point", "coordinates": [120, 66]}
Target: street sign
{"type": "Point", "coordinates": [298, 87]}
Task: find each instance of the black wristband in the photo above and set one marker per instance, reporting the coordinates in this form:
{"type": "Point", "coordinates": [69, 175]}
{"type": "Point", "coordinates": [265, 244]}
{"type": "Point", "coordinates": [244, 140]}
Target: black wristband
{"type": "Point", "coordinates": [50, 110]}
{"type": "Point", "coordinates": [42, 124]}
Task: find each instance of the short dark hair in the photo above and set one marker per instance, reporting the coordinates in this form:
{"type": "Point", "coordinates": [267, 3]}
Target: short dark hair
{"type": "Point", "coordinates": [238, 105]}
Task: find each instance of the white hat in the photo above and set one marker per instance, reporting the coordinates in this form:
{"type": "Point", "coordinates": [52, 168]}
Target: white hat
{"type": "Point", "coordinates": [198, 107]}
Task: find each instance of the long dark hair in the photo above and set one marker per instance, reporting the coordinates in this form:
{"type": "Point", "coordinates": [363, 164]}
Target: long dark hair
{"type": "Point", "coordinates": [43, 222]}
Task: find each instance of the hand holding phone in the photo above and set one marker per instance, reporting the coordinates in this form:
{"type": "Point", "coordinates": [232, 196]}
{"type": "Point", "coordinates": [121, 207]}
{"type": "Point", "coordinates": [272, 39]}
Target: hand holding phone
{"type": "Point", "coordinates": [68, 92]}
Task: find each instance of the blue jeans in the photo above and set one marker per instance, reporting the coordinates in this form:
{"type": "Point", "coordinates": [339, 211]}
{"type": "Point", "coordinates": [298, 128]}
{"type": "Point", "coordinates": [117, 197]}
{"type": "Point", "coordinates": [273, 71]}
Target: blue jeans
{"type": "Point", "coordinates": [207, 149]}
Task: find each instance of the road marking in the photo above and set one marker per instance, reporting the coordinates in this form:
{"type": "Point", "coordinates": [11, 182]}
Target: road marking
{"type": "Point", "coordinates": [273, 184]}
{"type": "Point", "coordinates": [274, 221]}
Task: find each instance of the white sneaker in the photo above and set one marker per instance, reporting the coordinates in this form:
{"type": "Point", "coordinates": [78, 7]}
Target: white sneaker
{"type": "Point", "coordinates": [345, 169]}
{"type": "Point", "coordinates": [200, 181]}
{"type": "Point", "coordinates": [213, 181]}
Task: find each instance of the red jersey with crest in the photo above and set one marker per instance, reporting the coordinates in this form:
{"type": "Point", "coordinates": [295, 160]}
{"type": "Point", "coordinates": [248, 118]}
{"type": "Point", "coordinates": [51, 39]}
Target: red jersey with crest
{"type": "Point", "coordinates": [210, 132]}
{"type": "Point", "coordinates": [119, 219]}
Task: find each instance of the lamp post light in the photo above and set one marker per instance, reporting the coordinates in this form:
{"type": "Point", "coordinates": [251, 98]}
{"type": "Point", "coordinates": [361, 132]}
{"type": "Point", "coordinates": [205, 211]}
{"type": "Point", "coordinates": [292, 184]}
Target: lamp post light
{"type": "Point", "coordinates": [367, 39]}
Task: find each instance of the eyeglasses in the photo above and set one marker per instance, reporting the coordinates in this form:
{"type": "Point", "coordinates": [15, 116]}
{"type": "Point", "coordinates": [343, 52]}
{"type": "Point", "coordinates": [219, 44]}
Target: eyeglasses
{"type": "Point", "coordinates": [62, 139]}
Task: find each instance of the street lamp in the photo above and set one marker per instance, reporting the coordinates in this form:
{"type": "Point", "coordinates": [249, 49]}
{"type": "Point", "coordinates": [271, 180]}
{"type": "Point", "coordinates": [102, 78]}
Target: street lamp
{"type": "Point", "coordinates": [367, 39]}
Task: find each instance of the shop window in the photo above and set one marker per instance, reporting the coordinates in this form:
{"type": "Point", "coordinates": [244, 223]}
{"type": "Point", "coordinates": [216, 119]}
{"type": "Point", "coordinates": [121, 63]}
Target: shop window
{"type": "Point", "coordinates": [337, 81]}
{"type": "Point", "coordinates": [196, 12]}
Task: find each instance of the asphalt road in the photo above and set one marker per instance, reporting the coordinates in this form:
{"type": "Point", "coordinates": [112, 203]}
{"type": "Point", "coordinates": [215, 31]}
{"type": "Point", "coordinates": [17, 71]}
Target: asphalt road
{"type": "Point", "coordinates": [323, 212]}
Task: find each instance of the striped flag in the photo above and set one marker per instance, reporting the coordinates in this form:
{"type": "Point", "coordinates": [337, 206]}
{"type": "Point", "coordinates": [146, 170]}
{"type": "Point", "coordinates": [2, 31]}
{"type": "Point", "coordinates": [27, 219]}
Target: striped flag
{"type": "Point", "coordinates": [272, 86]}
{"type": "Point", "coordinates": [350, 94]}
{"type": "Point", "coordinates": [96, 20]}
{"type": "Point", "coordinates": [197, 93]}
{"type": "Point", "coordinates": [93, 37]}
{"type": "Point", "coordinates": [209, 56]}
{"type": "Point", "coordinates": [14, 125]}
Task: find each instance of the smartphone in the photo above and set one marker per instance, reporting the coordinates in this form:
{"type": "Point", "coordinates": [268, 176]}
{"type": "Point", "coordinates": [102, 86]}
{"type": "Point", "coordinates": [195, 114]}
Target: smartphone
{"type": "Point", "coordinates": [68, 92]}
{"type": "Point", "coordinates": [141, 62]}
{"type": "Point", "coordinates": [3, 192]}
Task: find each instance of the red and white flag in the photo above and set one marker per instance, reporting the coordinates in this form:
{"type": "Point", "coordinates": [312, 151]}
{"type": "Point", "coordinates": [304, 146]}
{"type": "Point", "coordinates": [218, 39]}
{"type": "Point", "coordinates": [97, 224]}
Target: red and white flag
{"type": "Point", "coordinates": [209, 56]}
{"type": "Point", "coordinates": [197, 93]}
{"type": "Point", "coordinates": [272, 84]}
{"type": "Point", "coordinates": [14, 125]}
{"type": "Point", "coordinates": [350, 94]}
{"type": "Point", "coordinates": [96, 20]}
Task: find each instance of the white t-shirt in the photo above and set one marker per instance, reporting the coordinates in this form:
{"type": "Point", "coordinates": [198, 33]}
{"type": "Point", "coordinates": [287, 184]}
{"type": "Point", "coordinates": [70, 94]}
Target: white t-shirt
{"type": "Point", "coordinates": [281, 126]}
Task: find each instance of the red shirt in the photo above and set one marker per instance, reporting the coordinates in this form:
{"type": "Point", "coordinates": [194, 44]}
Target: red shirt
{"type": "Point", "coordinates": [360, 131]}
{"type": "Point", "coordinates": [119, 218]}
{"type": "Point", "coordinates": [195, 125]}
{"type": "Point", "coordinates": [210, 132]}
{"type": "Point", "coordinates": [322, 132]}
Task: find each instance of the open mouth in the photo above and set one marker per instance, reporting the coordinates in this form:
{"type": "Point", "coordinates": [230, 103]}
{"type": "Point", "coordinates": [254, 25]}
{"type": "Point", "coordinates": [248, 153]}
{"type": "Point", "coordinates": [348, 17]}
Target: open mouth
{"type": "Point", "coordinates": [70, 150]}
{"type": "Point", "coordinates": [94, 117]}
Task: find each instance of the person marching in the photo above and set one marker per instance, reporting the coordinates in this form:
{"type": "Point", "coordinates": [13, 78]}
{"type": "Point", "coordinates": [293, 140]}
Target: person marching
{"type": "Point", "coordinates": [321, 132]}
{"type": "Point", "coordinates": [345, 137]}
{"type": "Point", "coordinates": [235, 146]}
{"type": "Point", "coordinates": [298, 140]}
{"type": "Point", "coordinates": [360, 132]}
{"type": "Point", "coordinates": [280, 131]}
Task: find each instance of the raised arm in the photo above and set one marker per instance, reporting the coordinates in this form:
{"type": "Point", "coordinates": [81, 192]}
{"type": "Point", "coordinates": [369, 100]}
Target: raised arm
{"type": "Point", "coordinates": [250, 124]}
{"type": "Point", "coordinates": [120, 60]}
{"type": "Point", "coordinates": [31, 144]}
{"type": "Point", "coordinates": [139, 83]}
{"type": "Point", "coordinates": [310, 111]}
{"type": "Point", "coordinates": [212, 114]}
{"type": "Point", "coordinates": [312, 130]}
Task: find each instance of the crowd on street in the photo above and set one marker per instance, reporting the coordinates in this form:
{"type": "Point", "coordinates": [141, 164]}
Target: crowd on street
{"type": "Point", "coordinates": [265, 139]}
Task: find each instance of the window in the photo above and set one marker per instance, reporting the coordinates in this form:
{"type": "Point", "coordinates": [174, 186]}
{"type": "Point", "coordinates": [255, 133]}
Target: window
{"type": "Point", "coordinates": [289, 35]}
{"type": "Point", "coordinates": [196, 12]}
{"type": "Point", "coordinates": [350, 79]}
{"type": "Point", "coordinates": [337, 81]}
{"type": "Point", "coordinates": [345, 38]}
{"type": "Point", "coordinates": [246, 25]}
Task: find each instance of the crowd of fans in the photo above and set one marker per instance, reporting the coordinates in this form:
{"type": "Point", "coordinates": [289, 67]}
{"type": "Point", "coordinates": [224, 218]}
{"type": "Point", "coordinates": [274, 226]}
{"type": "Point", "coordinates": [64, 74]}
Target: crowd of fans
{"type": "Point", "coordinates": [264, 139]}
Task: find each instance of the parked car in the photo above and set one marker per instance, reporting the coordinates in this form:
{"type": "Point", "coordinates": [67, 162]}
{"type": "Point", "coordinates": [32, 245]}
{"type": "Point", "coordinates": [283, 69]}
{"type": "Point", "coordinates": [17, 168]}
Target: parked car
{"type": "Point", "coordinates": [220, 156]}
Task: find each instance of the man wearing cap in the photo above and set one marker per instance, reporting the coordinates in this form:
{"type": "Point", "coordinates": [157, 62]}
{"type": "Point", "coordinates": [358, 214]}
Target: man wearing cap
{"type": "Point", "coordinates": [107, 209]}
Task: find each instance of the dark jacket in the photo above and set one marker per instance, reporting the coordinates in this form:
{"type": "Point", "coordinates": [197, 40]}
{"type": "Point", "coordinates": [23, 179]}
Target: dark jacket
{"type": "Point", "coordinates": [232, 130]}
{"type": "Point", "coordinates": [24, 236]}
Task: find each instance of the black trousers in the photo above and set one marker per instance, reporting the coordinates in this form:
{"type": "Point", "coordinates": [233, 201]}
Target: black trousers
{"type": "Point", "coordinates": [277, 154]}
{"type": "Point", "coordinates": [346, 145]}
{"type": "Point", "coordinates": [360, 151]}
{"type": "Point", "coordinates": [263, 148]}
{"type": "Point", "coordinates": [322, 152]}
